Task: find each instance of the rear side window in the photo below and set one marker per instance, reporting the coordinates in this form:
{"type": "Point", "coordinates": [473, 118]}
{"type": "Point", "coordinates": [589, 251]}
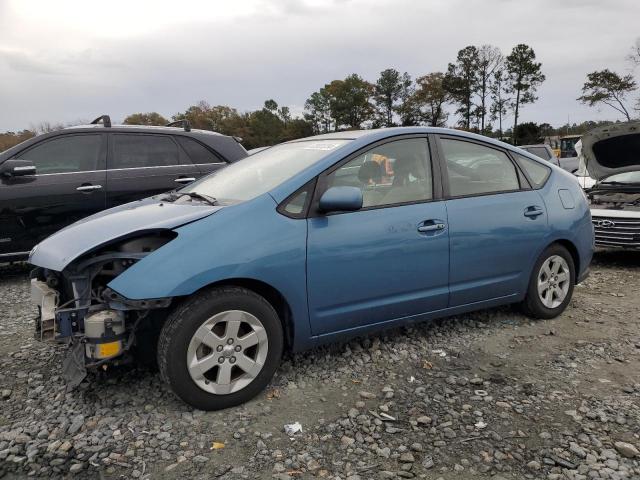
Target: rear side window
{"type": "Point", "coordinates": [135, 151]}
{"type": "Point", "coordinates": [539, 152]}
{"type": "Point", "coordinates": [197, 152]}
{"type": "Point", "coordinates": [537, 172]}
{"type": "Point", "coordinates": [66, 154]}
{"type": "Point", "coordinates": [476, 170]}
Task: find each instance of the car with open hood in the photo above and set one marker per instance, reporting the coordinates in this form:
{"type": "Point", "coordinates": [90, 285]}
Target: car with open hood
{"type": "Point", "coordinates": [310, 241]}
{"type": "Point", "coordinates": [612, 157]}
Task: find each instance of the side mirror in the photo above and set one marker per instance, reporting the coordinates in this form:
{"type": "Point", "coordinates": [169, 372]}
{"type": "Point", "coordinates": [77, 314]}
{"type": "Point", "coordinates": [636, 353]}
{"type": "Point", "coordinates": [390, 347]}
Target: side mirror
{"type": "Point", "coordinates": [341, 199]}
{"type": "Point", "coordinates": [17, 168]}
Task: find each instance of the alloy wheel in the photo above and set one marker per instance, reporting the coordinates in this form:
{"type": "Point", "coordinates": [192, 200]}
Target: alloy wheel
{"type": "Point", "coordinates": [554, 280]}
{"type": "Point", "coordinates": [227, 352]}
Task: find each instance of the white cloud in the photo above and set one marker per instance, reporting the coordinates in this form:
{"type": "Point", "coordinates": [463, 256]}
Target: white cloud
{"type": "Point", "coordinates": [60, 61]}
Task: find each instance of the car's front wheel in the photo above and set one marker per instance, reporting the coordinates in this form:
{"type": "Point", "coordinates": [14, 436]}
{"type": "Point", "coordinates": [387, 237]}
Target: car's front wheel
{"type": "Point", "coordinates": [220, 348]}
{"type": "Point", "coordinates": [551, 283]}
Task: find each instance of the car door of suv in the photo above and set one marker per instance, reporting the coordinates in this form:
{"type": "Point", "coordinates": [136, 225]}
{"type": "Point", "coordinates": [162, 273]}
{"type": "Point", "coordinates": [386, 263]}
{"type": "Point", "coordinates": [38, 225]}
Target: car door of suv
{"type": "Point", "coordinates": [141, 165]}
{"type": "Point", "coordinates": [388, 260]}
{"type": "Point", "coordinates": [69, 184]}
{"type": "Point", "coordinates": [497, 223]}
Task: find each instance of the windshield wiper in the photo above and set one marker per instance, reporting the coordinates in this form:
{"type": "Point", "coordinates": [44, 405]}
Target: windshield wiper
{"type": "Point", "coordinates": [613, 182]}
{"type": "Point", "coordinates": [199, 196]}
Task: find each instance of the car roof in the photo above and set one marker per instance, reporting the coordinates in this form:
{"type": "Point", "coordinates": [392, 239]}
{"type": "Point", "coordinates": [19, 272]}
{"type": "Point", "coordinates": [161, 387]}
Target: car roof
{"type": "Point", "coordinates": [143, 128]}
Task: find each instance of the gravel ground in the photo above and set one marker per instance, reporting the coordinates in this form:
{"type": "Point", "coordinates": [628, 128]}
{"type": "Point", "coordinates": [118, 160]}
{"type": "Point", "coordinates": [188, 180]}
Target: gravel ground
{"type": "Point", "coordinates": [486, 395]}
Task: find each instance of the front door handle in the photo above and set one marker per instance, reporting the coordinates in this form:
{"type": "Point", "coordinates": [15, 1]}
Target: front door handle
{"type": "Point", "coordinates": [533, 211]}
{"type": "Point", "coordinates": [88, 188]}
{"type": "Point", "coordinates": [185, 180]}
{"type": "Point", "coordinates": [432, 227]}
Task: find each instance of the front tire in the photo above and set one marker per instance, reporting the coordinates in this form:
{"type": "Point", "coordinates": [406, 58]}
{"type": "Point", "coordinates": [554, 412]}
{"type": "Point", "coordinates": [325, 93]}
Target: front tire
{"type": "Point", "coordinates": [551, 283]}
{"type": "Point", "coordinates": [220, 348]}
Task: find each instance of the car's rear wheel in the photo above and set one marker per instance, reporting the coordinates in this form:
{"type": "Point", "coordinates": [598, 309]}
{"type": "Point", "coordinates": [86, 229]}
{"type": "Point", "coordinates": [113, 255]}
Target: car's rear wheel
{"type": "Point", "coordinates": [220, 348]}
{"type": "Point", "coordinates": [551, 284]}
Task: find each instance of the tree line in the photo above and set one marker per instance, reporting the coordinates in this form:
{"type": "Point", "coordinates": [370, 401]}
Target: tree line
{"type": "Point", "coordinates": [481, 86]}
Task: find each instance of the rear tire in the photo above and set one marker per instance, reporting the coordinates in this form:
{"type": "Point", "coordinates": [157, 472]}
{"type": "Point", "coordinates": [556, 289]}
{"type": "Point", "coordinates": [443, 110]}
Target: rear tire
{"type": "Point", "coordinates": [220, 348]}
{"type": "Point", "coordinates": [551, 283]}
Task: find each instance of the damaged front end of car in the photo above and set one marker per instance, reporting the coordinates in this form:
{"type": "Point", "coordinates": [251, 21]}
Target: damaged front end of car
{"type": "Point", "coordinates": [77, 307]}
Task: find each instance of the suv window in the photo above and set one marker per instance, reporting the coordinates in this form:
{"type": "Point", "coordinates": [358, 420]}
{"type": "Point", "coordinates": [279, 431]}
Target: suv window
{"type": "Point", "coordinates": [68, 153]}
{"type": "Point", "coordinates": [539, 152]}
{"type": "Point", "coordinates": [197, 152]}
{"type": "Point", "coordinates": [392, 173]}
{"type": "Point", "coordinates": [475, 169]}
{"type": "Point", "coordinates": [135, 151]}
{"type": "Point", "coordinates": [537, 172]}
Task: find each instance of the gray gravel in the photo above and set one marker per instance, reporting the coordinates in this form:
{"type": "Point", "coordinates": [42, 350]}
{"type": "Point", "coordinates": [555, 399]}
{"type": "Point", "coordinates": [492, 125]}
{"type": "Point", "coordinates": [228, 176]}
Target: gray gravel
{"type": "Point", "coordinates": [486, 395]}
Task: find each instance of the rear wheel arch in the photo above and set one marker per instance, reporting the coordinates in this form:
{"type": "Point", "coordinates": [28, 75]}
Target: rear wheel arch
{"type": "Point", "coordinates": [573, 250]}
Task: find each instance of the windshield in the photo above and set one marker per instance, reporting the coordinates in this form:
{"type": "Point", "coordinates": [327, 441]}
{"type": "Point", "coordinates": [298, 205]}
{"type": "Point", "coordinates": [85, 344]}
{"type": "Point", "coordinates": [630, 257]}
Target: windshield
{"type": "Point", "coordinates": [626, 177]}
{"type": "Point", "coordinates": [261, 172]}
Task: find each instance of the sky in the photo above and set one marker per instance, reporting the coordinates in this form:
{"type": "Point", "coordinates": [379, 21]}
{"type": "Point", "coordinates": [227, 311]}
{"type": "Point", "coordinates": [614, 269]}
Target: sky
{"type": "Point", "coordinates": [72, 60]}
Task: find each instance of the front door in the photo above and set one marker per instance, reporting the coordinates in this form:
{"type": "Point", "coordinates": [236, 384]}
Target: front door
{"type": "Point", "coordinates": [389, 260]}
{"type": "Point", "coordinates": [69, 185]}
{"type": "Point", "coordinates": [142, 165]}
{"type": "Point", "coordinates": [496, 222]}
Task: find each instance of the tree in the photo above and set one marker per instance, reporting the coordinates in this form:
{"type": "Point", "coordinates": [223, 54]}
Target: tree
{"type": "Point", "coordinates": [528, 133]}
{"type": "Point", "coordinates": [634, 55]}
{"type": "Point", "coordinates": [523, 78]}
{"type": "Point", "coordinates": [271, 105]}
{"type": "Point", "coordinates": [408, 110]}
{"type": "Point", "coordinates": [608, 87]}
{"type": "Point", "coordinates": [489, 61]}
{"type": "Point", "coordinates": [387, 91]}
{"type": "Point", "coordinates": [431, 97]}
{"type": "Point", "coordinates": [461, 83]}
{"type": "Point", "coordinates": [499, 100]}
{"type": "Point", "coordinates": [318, 111]}
{"type": "Point", "coordinates": [350, 101]}
{"type": "Point", "coordinates": [151, 118]}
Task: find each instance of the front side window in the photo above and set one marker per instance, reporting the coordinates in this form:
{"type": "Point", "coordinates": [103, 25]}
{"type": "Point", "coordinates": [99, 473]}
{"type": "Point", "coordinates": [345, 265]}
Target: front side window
{"type": "Point", "coordinates": [392, 173]}
{"type": "Point", "coordinates": [136, 151]}
{"type": "Point", "coordinates": [66, 154]}
{"type": "Point", "coordinates": [474, 169]}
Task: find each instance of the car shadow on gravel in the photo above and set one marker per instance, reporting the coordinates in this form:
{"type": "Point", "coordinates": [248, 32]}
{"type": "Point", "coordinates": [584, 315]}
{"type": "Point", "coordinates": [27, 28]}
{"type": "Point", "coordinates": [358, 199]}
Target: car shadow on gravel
{"type": "Point", "coordinates": [616, 258]}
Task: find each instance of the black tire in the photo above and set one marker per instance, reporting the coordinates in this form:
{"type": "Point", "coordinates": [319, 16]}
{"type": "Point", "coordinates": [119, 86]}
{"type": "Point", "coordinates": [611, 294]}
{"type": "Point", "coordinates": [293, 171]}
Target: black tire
{"type": "Point", "coordinates": [532, 305]}
{"type": "Point", "coordinates": [182, 324]}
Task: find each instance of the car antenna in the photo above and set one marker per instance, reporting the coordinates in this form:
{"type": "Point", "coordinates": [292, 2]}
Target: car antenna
{"type": "Point", "coordinates": [185, 124]}
{"type": "Point", "coordinates": [105, 119]}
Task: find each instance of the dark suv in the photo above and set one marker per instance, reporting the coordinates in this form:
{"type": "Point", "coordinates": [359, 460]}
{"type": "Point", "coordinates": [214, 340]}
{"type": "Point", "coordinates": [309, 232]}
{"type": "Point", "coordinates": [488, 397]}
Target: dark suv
{"type": "Point", "coordinates": [52, 180]}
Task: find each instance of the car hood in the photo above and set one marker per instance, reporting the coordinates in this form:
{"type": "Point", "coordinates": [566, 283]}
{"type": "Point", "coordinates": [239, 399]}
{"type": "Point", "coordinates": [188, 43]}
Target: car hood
{"type": "Point", "coordinates": [612, 149]}
{"type": "Point", "coordinates": [151, 214]}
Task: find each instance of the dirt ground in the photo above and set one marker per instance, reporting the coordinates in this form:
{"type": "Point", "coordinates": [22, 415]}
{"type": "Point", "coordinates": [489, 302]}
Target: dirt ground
{"type": "Point", "coordinates": [486, 395]}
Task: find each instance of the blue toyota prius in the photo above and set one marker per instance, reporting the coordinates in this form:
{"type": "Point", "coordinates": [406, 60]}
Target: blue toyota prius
{"type": "Point", "coordinates": [307, 242]}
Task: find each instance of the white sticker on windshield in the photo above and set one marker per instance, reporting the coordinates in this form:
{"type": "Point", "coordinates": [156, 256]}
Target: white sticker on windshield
{"type": "Point", "coordinates": [321, 146]}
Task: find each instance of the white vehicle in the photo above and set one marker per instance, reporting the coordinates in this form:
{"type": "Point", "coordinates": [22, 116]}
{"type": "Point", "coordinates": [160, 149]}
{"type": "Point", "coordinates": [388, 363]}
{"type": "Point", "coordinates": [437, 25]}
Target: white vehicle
{"type": "Point", "coordinates": [612, 158]}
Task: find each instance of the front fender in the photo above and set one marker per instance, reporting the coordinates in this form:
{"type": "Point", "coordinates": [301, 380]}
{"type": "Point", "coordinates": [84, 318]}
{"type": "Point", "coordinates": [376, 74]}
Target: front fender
{"type": "Point", "coordinates": [249, 240]}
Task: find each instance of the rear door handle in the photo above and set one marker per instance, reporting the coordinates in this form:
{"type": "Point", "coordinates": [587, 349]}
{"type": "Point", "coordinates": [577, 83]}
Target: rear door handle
{"type": "Point", "coordinates": [185, 180]}
{"type": "Point", "coordinates": [430, 227]}
{"type": "Point", "coordinates": [88, 188]}
{"type": "Point", "coordinates": [533, 211]}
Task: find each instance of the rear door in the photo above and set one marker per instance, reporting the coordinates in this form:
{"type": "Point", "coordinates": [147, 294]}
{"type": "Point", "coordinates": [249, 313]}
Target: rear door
{"type": "Point", "coordinates": [497, 223]}
{"type": "Point", "coordinates": [69, 185]}
{"type": "Point", "coordinates": [141, 165]}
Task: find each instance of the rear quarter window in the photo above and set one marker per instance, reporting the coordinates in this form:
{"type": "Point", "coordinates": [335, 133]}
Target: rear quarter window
{"type": "Point", "coordinates": [536, 171]}
{"type": "Point", "coordinates": [197, 152]}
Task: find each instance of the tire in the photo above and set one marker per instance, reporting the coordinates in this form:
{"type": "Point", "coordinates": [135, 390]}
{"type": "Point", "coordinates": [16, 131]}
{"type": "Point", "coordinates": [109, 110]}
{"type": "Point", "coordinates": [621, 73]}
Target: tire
{"type": "Point", "coordinates": [234, 355]}
{"type": "Point", "coordinates": [554, 294]}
